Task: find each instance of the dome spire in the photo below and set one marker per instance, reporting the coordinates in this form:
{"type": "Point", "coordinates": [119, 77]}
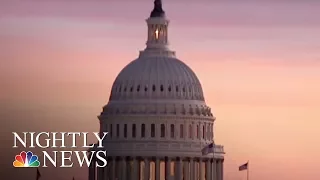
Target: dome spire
{"type": "Point", "coordinates": [157, 10]}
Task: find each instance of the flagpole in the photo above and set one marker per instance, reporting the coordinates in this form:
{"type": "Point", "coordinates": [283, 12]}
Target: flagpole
{"type": "Point", "coordinates": [248, 170]}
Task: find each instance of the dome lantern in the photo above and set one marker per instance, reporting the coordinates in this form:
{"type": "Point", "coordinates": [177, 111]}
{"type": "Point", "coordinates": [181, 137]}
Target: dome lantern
{"type": "Point", "coordinates": [158, 30]}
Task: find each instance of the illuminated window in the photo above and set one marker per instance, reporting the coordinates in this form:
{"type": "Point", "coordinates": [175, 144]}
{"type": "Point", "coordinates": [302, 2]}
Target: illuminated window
{"type": "Point", "coordinates": [157, 33]}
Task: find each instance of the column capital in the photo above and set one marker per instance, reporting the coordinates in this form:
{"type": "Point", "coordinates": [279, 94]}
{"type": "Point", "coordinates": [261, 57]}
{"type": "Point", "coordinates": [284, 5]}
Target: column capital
{"type": "Point", "coordinates": [179, 158]}
{"type": "Point", "coordinates": [133, 157]}
{"type": "Point", "coordinates": [168, 158]}
{"type": "Point", "coordinates": [190, 158]}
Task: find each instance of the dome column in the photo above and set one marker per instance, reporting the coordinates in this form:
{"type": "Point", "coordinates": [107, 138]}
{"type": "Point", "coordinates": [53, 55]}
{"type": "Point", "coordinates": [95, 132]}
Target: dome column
{"type": "Point", "coordinates": [186, 172]}
{"type": "Point", "coordinates": [208, 171]}
{"type": "Point", "coordinates": [136, 168]}
{"type": "Point", "coordinates": [106, 171]}
{"type": "Point", "coordinates": [200, 168]}
{"type": "Point", "coordinates": [168, 168]}
{"type": "Point", "coordinates": [118, 168]}
{"type": "Point", "coordinates": [178, 173]}
{"type": "Point", "coordinates": [192, 169]}
{"type": "Point", "coordinates": [92, 169]}
{"type": "Point", "coordinates": [213, 170]}
{"type": "Point", "coordinates": [124, 168]}
{"type": "Point", "coordinates": [219, 169]}
{"type": "Point", "coordinates": [157, 169]}
{"type": "Point", "coordinates": [100, 171]}
{"type": "Point", "coordinates": [222, 169]}
{"type": "Point", "coordinates": [146, 169]}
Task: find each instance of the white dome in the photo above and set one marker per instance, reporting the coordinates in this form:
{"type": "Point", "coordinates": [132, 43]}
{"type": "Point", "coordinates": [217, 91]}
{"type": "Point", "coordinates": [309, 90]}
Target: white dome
{"type": "Point", "coordinates": [156, 106]}
{"type": "Point", "coordinates": [157, 85]}
{"type": "Point", "coordinates": [157, 77]}
{"type": "Point", "coordinates": [157, 114]}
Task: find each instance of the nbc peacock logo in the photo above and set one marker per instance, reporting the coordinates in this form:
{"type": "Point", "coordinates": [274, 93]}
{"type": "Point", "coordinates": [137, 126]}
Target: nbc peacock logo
{"type": "Point", "coordinates": [26, 160]}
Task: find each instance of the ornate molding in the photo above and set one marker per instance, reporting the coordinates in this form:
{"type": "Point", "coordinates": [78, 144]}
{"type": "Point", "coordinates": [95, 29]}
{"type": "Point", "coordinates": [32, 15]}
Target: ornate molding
{"type": "Point", "coordinates": [157, 109]}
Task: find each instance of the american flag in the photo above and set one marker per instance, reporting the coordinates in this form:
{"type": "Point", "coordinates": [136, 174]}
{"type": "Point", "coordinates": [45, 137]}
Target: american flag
{"type": "Point", "coordinates": [243, 167]}
{"type": "Point", "coordinates": [208, 149]}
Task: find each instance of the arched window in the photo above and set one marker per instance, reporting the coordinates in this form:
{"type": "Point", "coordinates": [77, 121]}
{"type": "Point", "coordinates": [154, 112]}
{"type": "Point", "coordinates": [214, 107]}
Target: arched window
{"type": "Point", "coordinates": [143, 130]}
{"type": "Point", "coordinates": [125, 89]}
{"type": "Point", "coordinates": [153, 88]}
{"type": "Point", "coordinates": [172, 130]}
{"type": "Point", "coordinates": [133, 130]}
{"type": "Point", "coordinates": [198, 129]}
{"type": "Point", "coordinates": [131, 89]}
{"type": "Point", "coordinates": [181, 130]}
{"type": "Point", "coordinates": [110, 132]}
{"type": "Point", "coordinates": [203, 132]}
{"type": "Point", "coordinates": [118, 130]}
{"type": "Point", "coordinates": [120, 89]}
{"type": "Point", "coordinates": [163, 130]}
{"type": "Point", "coordinates": [190, 131]}
{"type": "Point", "coordinates": [177, 88]}
{"type": "Point", "coordinates": [153, 130]}
{"type": "Point", "coordinates": [169, 88]}
{"type": "Point", "coordinates": [146, 88]}
{"type": "Point", "coordinates": [138, 88]}
{"type": "Point", "coordinates": [125, 131]}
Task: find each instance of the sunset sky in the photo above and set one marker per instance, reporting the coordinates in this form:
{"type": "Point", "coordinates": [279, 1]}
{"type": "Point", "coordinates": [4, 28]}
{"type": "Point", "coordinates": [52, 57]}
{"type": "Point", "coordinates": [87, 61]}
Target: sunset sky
{"type": "Point", "coordinates": [258, 62]}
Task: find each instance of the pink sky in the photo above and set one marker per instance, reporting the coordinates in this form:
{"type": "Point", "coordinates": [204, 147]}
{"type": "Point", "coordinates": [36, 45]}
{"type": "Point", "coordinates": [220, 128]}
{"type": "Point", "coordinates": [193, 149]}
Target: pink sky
{"type": "Point", "coordinates": [258, 62]}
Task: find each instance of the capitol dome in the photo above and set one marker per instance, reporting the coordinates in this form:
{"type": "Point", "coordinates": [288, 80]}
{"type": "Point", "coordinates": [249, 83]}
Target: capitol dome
{"type": "Point", "coordinates": [155, 78]}
{"type": "Point", "coordinates": [157, 119]}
